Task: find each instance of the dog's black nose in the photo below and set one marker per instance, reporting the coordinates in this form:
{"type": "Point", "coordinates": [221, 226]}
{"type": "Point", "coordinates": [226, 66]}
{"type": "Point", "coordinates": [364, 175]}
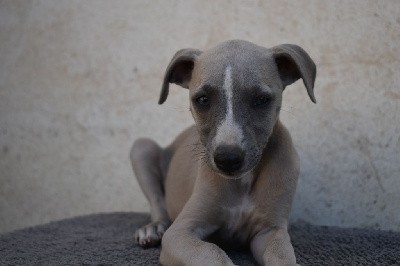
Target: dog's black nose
{"type": "Point", "coordinates": [228, 158]}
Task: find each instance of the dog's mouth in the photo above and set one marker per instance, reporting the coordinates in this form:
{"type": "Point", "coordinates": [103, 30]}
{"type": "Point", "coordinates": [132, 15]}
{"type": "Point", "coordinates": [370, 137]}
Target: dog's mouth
{"type": "Point", "coordinates": [234, 175]}
{"type": "Point", "coordinates": [227, 173]}
{"type": "Point", "coordinates": [236, 171]}
{"type": "Point", "coordinates": [230, 175]}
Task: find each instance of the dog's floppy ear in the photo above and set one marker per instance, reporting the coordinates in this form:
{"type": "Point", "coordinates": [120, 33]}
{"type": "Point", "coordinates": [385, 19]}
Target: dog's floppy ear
{"type": "Point", "coordinates": [179, 71]}
{"type": "Point", "coordinates": [294, 63]}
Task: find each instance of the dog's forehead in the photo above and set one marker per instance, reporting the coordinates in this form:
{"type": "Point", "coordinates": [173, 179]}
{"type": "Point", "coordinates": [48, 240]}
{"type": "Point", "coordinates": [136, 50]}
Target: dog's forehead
{"type": "Point", "coordinates": [249, 64]}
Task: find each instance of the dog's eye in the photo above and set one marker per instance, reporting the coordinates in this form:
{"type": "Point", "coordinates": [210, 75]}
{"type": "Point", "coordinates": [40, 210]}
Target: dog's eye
{"type": "Point", "coordinates": [202, 100]}
{"type": "Point", "coordinates": [260, 101]}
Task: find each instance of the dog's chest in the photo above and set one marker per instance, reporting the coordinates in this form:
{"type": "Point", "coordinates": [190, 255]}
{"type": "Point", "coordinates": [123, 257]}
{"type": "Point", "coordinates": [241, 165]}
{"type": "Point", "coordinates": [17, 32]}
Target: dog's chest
{"type": "Point", "coordinates": [241, 219]}
{"type": "Point", "coordinates": [239, 214]}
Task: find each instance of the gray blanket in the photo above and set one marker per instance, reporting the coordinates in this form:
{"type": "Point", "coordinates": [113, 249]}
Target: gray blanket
{"type": "Point", "coordinates": [108, 239]}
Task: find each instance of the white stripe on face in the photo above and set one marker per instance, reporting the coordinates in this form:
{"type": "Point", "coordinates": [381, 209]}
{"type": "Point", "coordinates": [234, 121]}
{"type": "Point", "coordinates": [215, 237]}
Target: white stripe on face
{"type": "Point", "coordinates": [228, 132]}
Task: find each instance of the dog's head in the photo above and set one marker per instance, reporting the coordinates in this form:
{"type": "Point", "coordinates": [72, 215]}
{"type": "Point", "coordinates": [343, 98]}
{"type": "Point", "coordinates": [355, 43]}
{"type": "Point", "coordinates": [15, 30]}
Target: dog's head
{"type": "Point", "coordinates": [236, 95]}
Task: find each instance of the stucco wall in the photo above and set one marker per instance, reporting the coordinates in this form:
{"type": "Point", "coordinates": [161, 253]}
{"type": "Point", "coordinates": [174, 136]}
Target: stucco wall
{"type": "Point", "coordinates": [79, 81]}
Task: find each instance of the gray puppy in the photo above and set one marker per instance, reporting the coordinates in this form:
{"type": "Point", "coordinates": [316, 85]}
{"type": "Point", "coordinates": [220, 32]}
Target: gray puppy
{"type": "Point", "coordinates": [232, 176]}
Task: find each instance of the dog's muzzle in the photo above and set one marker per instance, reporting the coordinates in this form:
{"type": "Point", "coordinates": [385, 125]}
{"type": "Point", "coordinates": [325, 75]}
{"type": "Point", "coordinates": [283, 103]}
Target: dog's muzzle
{"type": "Point", "coordinates": [228, 158]}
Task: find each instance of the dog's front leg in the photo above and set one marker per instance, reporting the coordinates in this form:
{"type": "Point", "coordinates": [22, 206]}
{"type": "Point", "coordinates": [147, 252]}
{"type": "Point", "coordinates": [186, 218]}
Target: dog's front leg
{"type": "Point", "coordinates": [183, 245]}
{"type": "Point", "coordinates": [272, 246]}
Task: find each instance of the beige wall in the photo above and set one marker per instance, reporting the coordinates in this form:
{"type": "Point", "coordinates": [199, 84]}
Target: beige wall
{"type": "Point", "coordinates": [79, 81]}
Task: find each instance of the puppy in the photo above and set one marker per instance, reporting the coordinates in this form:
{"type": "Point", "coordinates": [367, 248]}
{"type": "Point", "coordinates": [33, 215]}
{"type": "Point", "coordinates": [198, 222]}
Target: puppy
{"type": "Point", "coordinates": [232, 176]}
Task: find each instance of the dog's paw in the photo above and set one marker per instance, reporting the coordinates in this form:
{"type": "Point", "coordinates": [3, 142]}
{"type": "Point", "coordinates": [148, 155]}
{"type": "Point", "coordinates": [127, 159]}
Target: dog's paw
{"type": "Point", "coordinates": [150, 235]}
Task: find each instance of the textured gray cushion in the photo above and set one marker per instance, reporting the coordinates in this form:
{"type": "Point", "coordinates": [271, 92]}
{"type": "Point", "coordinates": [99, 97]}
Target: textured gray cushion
{"type": "Point", "coordinates": [108, 239]}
